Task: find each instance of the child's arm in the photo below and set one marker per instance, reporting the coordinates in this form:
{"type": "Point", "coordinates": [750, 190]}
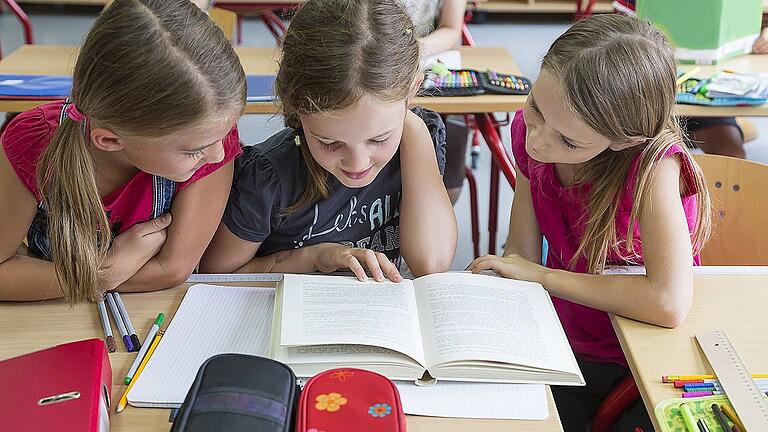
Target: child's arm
{"type": "Point", "coordinates": [428, 229]}
{"type": "Point", "coordinates": [196, 212]}
{"type": "Point", "coordinates": [662, 296]}
{"type": "Point", "coordinates": [448, 32]}
{"type": "Point", "coordinates": [229, 253]}
{"type": "Point", "coordinates": [21, 277]}
{"type": "Point", "coordinates": [524, 236]}
{"type": "Point", "coordinates": [761, 44]}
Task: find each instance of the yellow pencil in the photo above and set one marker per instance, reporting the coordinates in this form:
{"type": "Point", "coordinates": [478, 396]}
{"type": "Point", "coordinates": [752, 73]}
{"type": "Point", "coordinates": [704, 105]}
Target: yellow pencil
{"type": "Point", "coordinates": [124, 399]}
{"type": "Point", "coordinates": [673, 378]}
{"type": "Point", "coordinates": [732, 415]}
{"type": "Point", "coordinates": [687, 75]}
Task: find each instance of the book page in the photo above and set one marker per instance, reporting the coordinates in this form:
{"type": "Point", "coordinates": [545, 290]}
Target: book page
{"type": "Point", "coordinates": [323, 310]}
{"type": "Point", "coordinates": [468, 317]}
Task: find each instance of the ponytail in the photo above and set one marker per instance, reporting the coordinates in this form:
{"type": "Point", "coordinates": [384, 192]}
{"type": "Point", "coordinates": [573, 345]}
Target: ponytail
{"type": "Point", "coordinates": [67, 179]}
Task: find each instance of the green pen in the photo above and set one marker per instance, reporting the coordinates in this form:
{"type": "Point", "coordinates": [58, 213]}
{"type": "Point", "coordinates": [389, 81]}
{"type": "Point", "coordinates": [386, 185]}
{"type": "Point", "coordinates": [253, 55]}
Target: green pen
{"type": "Point", "coordinates": [144, 347]}
{"type": "Point", "coordinates": [690, 422]}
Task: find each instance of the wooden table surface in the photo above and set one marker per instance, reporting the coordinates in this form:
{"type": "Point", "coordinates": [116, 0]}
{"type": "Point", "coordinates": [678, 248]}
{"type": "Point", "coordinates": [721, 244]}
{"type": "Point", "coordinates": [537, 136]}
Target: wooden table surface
{"type": "Point", "coordinates": [734, 303]}
{"type": "Point", "coordinates": [60, 60]}
{"type": "Point", "coordinates": [31, 326]}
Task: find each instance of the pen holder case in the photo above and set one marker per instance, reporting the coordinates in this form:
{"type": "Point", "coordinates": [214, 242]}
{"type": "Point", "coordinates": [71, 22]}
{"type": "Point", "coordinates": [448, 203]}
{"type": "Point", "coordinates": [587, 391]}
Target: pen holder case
{"type": "Point", "coordinates": [670, 419]}
{"type": "Point", "coordinates": [350, 400]}
{"type": "Point", "coordinates": [238, 393]}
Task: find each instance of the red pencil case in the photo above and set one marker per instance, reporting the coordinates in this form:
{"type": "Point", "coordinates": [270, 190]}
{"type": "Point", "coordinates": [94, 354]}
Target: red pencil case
{"type": "Point", "coordinates": [350, 400]}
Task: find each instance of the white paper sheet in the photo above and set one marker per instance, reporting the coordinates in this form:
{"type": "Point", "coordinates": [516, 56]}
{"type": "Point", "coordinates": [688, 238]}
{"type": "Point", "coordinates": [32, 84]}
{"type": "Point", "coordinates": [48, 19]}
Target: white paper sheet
{"type": "Point", "coordinates": [475, 400]}
{"type": "Point", "coordinates": [451, 59]}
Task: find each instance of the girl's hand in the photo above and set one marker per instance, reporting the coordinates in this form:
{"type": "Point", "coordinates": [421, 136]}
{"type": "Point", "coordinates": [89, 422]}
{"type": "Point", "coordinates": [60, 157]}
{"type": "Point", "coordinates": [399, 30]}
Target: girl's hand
{"type": "Point", "coordinates": [511, 266]}
{"type": "Point", "coordinates": [132, 249]}
{"type": "Point", "coordinates": [761, 44]}
{"type": "Point", "coordinates": [329, 257]}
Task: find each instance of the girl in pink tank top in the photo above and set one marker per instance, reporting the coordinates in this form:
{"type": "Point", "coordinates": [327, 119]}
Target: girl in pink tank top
{"type": "Point", "coordinates": [604, 177]}
{"type": "Point", "coordinates": [122, 186]}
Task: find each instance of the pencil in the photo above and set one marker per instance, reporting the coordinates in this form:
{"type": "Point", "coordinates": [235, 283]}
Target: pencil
{"type": "Point", "coordinates": [673, 378]}
{"type": "Point", "coordinates": [728, 411]}
{"type": "Point", "coordinates": [684, 77]}
{"type": "Point", "coordinates": [124, 399]}
{"type": "Point", "coordinates": [150, 336]}
{"type": "Point", "coordinates": [108, 337]}
{"type": "Point", "coordinates": [119, 321]}
{"type": "Point", "coordinates": [127, 320]}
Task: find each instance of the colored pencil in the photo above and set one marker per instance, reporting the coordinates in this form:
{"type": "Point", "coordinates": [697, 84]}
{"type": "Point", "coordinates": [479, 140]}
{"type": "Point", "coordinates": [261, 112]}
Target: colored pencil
{"type": "Point", "coordinates": [682, 78]}
{"type": "Point", "coordinates": [150, 336]}
{"type": "Point", "coordinates": [124, 399]}
{"type": "Point", "coordinates": [727, 410]}
{"type": "Point", "coordinates": [673, 378]}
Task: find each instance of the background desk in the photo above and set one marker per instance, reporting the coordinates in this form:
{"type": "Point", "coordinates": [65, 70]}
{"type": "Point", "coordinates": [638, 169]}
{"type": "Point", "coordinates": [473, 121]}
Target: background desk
{"type": "Point", "coordinates": [31, 326]}
{"type": "Point", "coordinates": [732, 303]}
{"type": "Point", "coordinates": [749, 64]}
{"type": "Point", "coordinates": [60, 60]}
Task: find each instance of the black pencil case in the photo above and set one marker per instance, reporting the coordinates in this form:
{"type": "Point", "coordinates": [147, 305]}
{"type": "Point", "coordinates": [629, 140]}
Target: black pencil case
{"type": "Point", "coordinates": [238, 393]}
{"type": "Point", "coordinates": [468, 82]}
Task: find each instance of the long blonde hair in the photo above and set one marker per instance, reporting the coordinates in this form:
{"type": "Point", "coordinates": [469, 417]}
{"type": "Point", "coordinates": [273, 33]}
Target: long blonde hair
{"type": "Point", "coordinates": [334, 53]}
{"type": "Point", "coordinates": [618, 74]}
{"type": "Point", "coordinates": [147, 68]}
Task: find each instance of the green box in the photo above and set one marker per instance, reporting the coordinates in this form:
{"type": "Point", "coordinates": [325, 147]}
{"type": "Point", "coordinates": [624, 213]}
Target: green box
{"type": "Point", "coordinates": [705, 31]}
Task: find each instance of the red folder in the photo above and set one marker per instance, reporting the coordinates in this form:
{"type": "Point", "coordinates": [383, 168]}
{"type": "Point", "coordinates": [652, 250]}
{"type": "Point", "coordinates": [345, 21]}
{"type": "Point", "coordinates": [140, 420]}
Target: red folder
{"type": "Point", "coordinates": [64, 388]}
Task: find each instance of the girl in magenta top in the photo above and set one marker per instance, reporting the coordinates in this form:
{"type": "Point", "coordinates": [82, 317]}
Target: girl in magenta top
{"type": "Point", "coordinates": [604, 177]}
{"type": "Point", "coordinates": [123, 185]}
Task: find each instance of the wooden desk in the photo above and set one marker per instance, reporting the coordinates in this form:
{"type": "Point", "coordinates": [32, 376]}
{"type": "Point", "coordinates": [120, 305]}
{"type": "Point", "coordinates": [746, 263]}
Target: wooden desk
{"type": "Point", "coordinates": [31, 326]}
{"type": "Point", "coordinates": [734, 303]}
{"type": "Point", "coordinates": [753, 63]}
{"type": "Point", "coordinates": [60, 60]}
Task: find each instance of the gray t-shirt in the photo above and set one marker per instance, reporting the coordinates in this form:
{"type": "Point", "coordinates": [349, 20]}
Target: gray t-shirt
{"type": "Point", "coordinates": [271, 176]}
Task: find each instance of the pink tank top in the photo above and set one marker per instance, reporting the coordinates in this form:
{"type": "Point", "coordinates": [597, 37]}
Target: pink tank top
{"type": "Point", "coordinates": [562, 214]}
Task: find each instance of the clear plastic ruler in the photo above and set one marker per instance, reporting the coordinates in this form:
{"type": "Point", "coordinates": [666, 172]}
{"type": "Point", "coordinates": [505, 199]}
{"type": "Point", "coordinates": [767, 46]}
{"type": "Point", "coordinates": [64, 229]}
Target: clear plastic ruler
{"type": "Point", "coordinates": [748, 401]}
{"type": "Point", "coordinates": [238, 277]}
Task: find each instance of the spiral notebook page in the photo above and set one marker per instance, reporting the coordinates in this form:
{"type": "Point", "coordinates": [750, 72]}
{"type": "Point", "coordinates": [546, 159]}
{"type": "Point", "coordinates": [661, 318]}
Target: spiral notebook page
{"type": "Point", "coordinates": [211, 320]}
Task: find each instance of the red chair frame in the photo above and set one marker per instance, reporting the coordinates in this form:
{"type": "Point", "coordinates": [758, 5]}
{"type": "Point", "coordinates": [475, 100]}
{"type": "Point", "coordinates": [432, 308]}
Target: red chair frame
{"type": "Point", "coordinates": [26, 24]}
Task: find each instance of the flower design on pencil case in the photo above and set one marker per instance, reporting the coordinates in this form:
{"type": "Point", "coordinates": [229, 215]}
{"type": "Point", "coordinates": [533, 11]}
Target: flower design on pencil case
{"type": "Point", "coordinates": [380, 410]}
{"type": "Point", "coordinates": [341, 375]}
{"type": "Point", "coordinates": [330, 402]}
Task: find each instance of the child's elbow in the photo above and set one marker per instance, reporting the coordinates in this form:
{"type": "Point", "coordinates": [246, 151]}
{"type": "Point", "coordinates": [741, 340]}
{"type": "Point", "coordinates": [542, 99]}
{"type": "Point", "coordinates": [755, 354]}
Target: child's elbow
{"type": "Point", "coordinates": [430, 266]}
{"type": "Point", "coordinates": [674, 309]}
{"type": "Point", "coordinates": [177, 274]}
{"type": "Point", "coordinates": [672, 318]}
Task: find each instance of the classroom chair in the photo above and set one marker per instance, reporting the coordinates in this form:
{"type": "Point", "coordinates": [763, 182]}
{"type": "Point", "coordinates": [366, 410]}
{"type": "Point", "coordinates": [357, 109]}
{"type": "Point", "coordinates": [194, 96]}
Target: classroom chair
{"type": "Point", "coordinates": [265, 11]}
{"type": "Point", "coordinates": [740, 203]}
{"type": "Point", "coordinates": [23, 19]}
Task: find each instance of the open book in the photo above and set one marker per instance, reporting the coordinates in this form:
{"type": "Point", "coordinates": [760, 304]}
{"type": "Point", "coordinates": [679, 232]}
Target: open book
{"type": "Point", "coordinates": [449, 326]}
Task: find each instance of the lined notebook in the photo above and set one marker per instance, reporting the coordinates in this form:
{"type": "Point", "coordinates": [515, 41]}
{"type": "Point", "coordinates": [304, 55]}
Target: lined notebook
{"type": "Point", "coordinates": [210, 320]}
